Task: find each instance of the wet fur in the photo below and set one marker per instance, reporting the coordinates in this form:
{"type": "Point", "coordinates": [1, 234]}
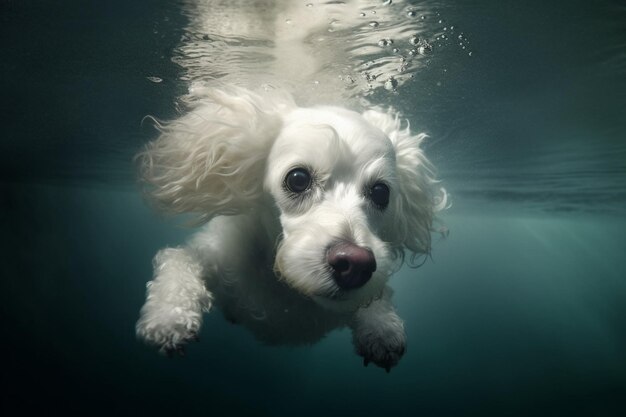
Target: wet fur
{"type": "Point", "coordinates": [260, 258]}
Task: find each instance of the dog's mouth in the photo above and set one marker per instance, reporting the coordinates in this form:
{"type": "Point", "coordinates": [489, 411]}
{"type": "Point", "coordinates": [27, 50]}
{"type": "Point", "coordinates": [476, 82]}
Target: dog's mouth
{"type": "Point", "coordinates": [341, 275]}
{"type": "Point", "coordinates": [342, 300]}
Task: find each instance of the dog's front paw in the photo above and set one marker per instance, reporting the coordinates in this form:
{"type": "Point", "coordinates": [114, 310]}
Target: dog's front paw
{"type": "Point", "coordinates": [170, 329]}
{"type": "Point", "coordinates": [383, 346]}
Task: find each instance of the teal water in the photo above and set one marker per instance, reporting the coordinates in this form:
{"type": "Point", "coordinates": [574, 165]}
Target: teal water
{"type": "Point", "coordinates": [515, 315]}
{"type": "Point", "coordinates": [521, 311]}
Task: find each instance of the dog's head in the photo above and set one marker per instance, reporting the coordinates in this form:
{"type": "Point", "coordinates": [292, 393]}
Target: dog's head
{"type": "Point", "coordinates": [353, 191]}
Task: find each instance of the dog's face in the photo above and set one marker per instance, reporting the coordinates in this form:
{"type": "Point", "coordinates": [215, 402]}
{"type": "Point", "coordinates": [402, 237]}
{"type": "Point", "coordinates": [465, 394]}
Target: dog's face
{"type": "Point", "coordinates": [354, 191]}
{"type": "Point", "coordinates": [333, 177]}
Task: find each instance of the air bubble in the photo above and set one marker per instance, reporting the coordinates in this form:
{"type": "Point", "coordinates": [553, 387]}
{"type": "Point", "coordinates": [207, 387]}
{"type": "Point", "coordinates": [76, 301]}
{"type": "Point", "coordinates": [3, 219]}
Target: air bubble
{"type": "Point", "coordinates": [309, 5]}
{"type": "Point", "coordinates": [391, 84]}
{"type": "Point", "coordinates": [387, 2]}
{"type": "Point", "coordinates": [411, 13]}
{"type": "Point", "coordinates": [414, 40]}
{"type": "Point", "coordinates": [155, 80]}
{"type": "Point", "coordinates": [424, 48]}
{"type": "Point", "coordinates": [368, 77]}
{"type": "Point", "coordinates": [385, 42]}
{"type": "Point", "coordinates": [373, 24]}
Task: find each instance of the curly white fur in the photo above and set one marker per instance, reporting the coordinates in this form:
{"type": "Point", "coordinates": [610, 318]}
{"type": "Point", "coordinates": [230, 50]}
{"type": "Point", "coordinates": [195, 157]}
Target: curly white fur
{"type": "Point", "coordinates": [262, 256]}
{"type": "Point", "coordinates": [176, 300]}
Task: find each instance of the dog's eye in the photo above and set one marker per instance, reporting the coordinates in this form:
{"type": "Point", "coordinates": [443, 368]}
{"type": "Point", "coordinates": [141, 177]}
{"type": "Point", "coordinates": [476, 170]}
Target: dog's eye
{"type": "Point", "coordinates": [298, 180]}
{"type": "Point", "coordinates": [379, 194]}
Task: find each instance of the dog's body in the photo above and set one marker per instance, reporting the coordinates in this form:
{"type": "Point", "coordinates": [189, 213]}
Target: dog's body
{"type": "Point", "coordinates": [308, 210]}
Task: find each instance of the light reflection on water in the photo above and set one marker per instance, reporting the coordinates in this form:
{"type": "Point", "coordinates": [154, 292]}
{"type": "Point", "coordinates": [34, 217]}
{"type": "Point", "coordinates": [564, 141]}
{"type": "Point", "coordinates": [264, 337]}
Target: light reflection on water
{"type": "Point", "coordinates": [320, 51]}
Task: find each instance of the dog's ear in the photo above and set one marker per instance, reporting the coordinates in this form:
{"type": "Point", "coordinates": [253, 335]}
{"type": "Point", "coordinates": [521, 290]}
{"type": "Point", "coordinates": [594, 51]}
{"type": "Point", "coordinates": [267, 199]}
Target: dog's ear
{"type": "Point", "coordinates": [212, 159]}
{"type": "Point", "coordinates": [409, 222]}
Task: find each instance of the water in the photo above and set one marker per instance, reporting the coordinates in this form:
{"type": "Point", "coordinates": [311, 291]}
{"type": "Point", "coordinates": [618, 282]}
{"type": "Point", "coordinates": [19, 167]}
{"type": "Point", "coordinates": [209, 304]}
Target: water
{"type": "Point", "coordinates": [520, 312]}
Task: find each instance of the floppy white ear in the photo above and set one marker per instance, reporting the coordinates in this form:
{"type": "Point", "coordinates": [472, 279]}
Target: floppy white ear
{"type": "Point", "coordinates": [212, 160]}
{"type": "Point", "coordinates": [417, 200]}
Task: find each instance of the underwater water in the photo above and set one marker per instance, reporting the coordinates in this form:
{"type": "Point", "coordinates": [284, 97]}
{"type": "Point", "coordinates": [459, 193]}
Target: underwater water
{"type": "Point", "coordinates": [522, 309]}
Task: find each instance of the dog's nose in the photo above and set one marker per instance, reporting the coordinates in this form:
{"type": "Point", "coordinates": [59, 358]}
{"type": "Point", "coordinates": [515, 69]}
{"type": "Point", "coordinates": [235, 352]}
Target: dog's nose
{"type": "Point", "coordinates": [352, 265]}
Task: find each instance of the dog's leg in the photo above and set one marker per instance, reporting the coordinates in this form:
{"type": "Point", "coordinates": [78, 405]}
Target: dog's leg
{"type": "Point", "coordinates": [378, 333]}
{"type": "Point", "coordinates": [176, 299]}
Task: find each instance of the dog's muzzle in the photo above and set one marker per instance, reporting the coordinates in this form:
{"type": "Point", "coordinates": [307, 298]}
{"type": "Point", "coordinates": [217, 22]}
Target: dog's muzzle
{"type": "Point", "coordinates": [352, 265]}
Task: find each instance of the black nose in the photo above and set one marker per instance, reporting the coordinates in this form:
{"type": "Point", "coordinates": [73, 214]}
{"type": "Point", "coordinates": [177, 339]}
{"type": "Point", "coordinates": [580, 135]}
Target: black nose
{"type": "Point", "coordinates": [352, 265]}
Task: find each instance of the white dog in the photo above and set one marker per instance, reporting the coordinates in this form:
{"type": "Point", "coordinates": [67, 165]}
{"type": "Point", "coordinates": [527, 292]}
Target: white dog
{"type": "Point", "coordinates": [309, 211]}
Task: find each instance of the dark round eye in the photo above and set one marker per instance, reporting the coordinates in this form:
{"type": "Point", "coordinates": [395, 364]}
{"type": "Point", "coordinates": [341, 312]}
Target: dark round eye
{"type": "Point", "coordinates": [379, 194]}
{"type": "Point", "coordinates": [298, 180]}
